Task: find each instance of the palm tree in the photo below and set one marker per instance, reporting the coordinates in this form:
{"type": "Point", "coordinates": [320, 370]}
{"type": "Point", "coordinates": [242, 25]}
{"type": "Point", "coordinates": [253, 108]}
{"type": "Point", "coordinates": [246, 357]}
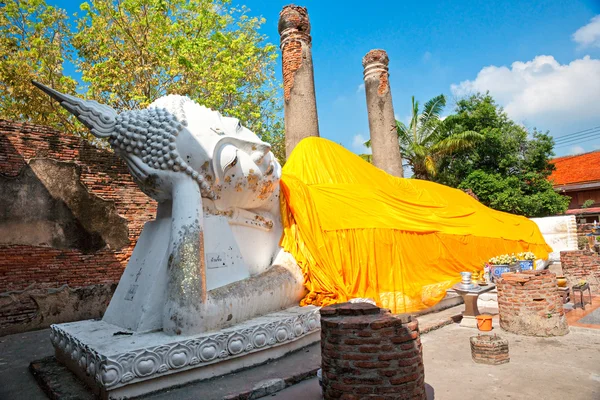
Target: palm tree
{"type": "Point", "coordinates": [427, 138]}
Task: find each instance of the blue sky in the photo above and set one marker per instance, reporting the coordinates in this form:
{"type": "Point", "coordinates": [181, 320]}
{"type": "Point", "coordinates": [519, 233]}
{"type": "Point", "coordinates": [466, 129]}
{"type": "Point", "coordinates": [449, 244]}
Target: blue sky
{"type": "Point", "coordinates": [527, 53]}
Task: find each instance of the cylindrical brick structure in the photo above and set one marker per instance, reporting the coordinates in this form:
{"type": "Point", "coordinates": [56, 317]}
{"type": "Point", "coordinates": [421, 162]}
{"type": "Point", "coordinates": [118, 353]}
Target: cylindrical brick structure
{"type": "Point", "coordinates": [530, 304]}
{"type": "Point", "coordinates": [488, 349]}
{"type": "Point", "coordinates": [368, 352]}
{"type": "Point", "coordinates": [382, 122]}
{"type": "Point", "coordinates": [300, 104]}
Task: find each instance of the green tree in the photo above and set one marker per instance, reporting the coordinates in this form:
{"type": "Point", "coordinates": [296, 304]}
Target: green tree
{"type": "Point", "coordinates": [506, 169]}
{"type": "Point", "coordinates": [34, 42]}
{"type": "Point", "coordinates": [427, 139]}
{"type": "Point", "coordinates": [131, 52]}
{"type": "Point", "coordinates": [367, 157]}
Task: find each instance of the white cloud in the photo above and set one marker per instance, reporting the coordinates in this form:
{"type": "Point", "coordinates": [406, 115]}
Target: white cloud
{"type": "Point", "coordinates": [589, 35]}
{"type": "Point", "coordinates": [576, 150]}
{"type": "Point", "coordinates": [360, 88]}
{"type": "Point", "coordinates": [542, 92]}
{"type": "Point", "coordinates": [358, 144]}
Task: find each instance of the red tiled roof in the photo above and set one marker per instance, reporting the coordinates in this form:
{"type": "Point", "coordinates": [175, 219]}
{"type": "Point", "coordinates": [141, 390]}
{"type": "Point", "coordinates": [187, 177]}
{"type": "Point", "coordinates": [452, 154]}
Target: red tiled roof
{"type": "Point", "coordinates": [581, 168]}
{"type": "Point", "coordinates": [590, 210]}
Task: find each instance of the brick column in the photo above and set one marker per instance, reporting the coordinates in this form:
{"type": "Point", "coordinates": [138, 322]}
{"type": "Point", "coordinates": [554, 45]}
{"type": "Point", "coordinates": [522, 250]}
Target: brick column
{"type": "Point", "coordinates": [300, 104]}
{"type": "Point", "coordinates": [368, 352]}
{"type": "Point", "coordinates": [529, 304]}
{"type": "Point", "coordinates": [382, 123]}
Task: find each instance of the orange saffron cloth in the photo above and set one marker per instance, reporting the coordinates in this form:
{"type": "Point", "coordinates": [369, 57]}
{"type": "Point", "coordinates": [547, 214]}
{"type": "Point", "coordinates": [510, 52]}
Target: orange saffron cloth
{"type": "Point", "coordinates": [357, 231]}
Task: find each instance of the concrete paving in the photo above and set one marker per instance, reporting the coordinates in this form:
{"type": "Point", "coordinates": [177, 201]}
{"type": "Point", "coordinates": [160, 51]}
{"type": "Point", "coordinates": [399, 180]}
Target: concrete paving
{"type": "Point", "coordinates": [16, 352]}
{"type": "Point", "coordinates": [558, 368]}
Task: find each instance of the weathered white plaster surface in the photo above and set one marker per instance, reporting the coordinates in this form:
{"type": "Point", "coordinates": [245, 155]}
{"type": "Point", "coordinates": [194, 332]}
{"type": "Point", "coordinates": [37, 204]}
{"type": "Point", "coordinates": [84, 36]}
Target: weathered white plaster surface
{"type": "Point", "coordinates": [203, 291]}
{"type": "Point", "coordinates": [560, 232]}
{"type": "Point", "coordinates": [208, 260]}
{"type": "Point", "coordinates": [118, 362]}
{"type": "Point", "coordinates": [137, 304]}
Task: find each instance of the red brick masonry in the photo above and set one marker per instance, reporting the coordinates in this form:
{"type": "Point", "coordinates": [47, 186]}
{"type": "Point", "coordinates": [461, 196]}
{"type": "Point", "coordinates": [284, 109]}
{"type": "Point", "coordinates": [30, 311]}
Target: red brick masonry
{"type": "Point", "coordinates": [294, 27]}
{"type": "Point", "coordinates": [529, 303]}
{"type": "Point", "coordinates": [369, 353]}
{"type": "Point", "coordinates": [488, 349]}
{"type": "Point", "coordinates": [104, 175]}
{"type": "Point", "coordinates": [581, 264]}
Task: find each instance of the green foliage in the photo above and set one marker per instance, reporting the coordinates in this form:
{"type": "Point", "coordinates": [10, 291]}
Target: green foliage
{"type": "Point", "coordinates": [367, 157]}
{"type": "Point", "coordinates": [275, 135]}
{"type": "Point", "coordinates": [132, 52]}
{"type": "Point", "coordinates": [505, 169]}
{"type": "Point", "coordinates": [426, 140]}
{"type": "Point", "coordinates": [531, 194]}
{"type": "Point", "coordinates": [588, 203]}
{"type": "Point", "coordinates": [34, 41]}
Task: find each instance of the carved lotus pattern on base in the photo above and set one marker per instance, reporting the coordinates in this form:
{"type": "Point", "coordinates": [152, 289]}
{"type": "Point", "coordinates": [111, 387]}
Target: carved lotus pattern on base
{"type": "Point", "coordinates": [133, 366]}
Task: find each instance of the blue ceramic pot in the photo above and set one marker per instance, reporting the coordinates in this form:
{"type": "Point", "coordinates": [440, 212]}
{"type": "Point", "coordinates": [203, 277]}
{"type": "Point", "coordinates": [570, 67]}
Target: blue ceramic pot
{"type": "Point", "coordinates": [526, 265]}
{"type": "Point", "coordinates": [498, 270]}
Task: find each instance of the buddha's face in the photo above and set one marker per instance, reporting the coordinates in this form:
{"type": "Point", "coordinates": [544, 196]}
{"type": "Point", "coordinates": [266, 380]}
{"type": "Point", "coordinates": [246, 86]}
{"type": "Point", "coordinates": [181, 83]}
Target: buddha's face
{"type": "Point", "coordinates": [246, 171]}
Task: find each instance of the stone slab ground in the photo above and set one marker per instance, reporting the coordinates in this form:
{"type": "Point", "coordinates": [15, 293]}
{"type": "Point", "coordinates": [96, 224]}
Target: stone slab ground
{"type": "Point", "coordinates": [256, 382]}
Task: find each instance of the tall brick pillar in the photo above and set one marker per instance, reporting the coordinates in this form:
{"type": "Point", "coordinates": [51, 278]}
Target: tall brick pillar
{"type": "Point", "coordinates": [300, 104]}
{"type": "Point", "coordinates": [367, 352]}
{"type": "Point", "coordinates": [382, 123]}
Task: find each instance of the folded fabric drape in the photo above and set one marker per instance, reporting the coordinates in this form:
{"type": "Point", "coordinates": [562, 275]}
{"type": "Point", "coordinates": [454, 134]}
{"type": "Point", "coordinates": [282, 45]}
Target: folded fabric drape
{"type": "Point", "coordinates": [357, 231]}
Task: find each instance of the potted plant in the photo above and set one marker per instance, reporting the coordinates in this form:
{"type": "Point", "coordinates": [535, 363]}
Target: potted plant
{"type": "Point", "coordinates": [526, 260]}
{"type": "Point", "coordinates": [501, 264]}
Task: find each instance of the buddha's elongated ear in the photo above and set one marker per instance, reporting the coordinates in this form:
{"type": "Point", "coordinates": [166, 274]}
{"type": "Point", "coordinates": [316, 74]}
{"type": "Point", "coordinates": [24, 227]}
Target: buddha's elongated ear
{"type": "Point", "coordinates": [100, 119]}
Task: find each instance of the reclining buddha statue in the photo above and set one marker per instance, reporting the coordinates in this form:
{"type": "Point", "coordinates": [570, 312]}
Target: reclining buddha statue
{"type": "Point", "coordinates": [211, 258]}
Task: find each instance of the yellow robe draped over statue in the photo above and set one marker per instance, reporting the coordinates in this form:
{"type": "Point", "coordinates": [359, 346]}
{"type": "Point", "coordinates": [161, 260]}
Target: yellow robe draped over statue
{"type": "Point", "coordinates": [357, 231]}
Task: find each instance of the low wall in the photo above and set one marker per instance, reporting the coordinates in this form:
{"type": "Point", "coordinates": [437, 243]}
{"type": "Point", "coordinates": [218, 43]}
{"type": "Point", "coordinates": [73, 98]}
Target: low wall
{"type": "Point", "coordinates": [70, 215]}
{"type": "Point", "coordinates": [529, 304]}
{"type": "Point", "coordinates": [581, 265]}
{"type": "Point", "coordinates": [488, 349]}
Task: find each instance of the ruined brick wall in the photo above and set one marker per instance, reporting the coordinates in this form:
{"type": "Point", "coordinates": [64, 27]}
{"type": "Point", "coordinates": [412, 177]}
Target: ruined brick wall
{"type": "Point", "coordinates": [369, 353]}
{"type": "Point", "coordinates": [529, 304]}
{"type": "Point", "coordinates": [48, 274]}
{"type": "Point", "coordinates": [488, 349]}
{"type": "Point", "coordinates": [581, 265]}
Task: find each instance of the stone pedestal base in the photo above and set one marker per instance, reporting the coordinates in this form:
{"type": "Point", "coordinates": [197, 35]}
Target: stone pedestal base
{"type": "Point", "coordinates": [118, 364]}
